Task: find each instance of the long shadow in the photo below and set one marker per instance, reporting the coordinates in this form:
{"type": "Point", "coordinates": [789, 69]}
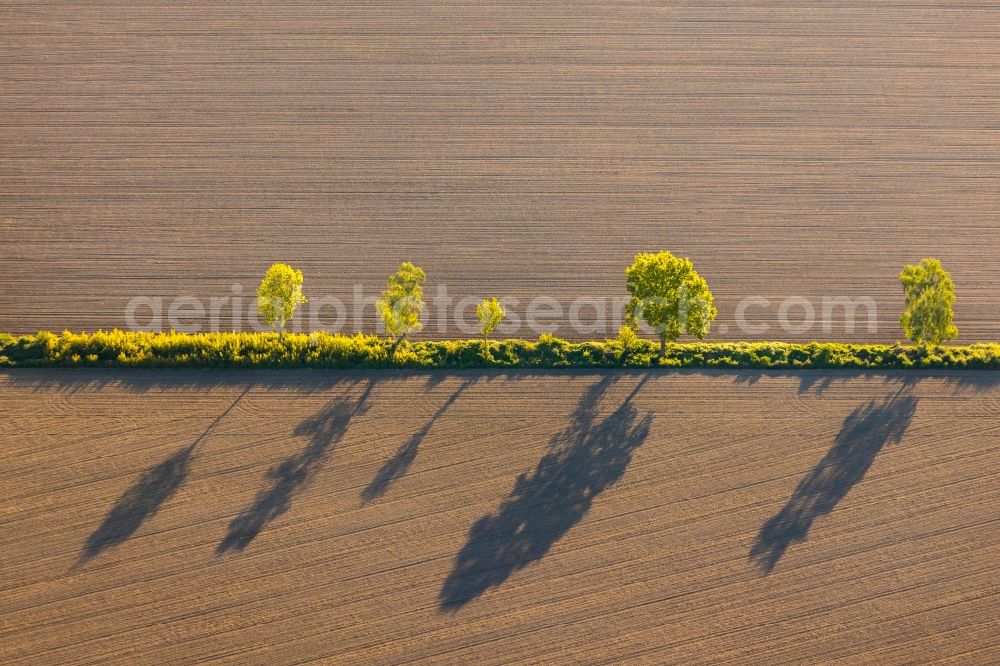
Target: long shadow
{"type": "Point", "coordinates": [144, 497]}
{"type": "Point", "coordinates": [864, 432]}
{"type": "Point", "coordinates": [306, 382]}
{"type": "Point", "coordinates": [587, 457]}
{"type": "Point", "coordinates": [292, 474]}
{"type": "Point", "coordinates": [397, 465]}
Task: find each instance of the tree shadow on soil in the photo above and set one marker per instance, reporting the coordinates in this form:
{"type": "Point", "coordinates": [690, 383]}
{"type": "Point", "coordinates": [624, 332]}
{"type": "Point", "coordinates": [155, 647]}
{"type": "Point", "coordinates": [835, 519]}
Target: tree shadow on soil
{"type": "Point", "coordinates": [397, 465]}
{"type": "Point", "coordinates": [292, 474]}
{"type": "Point", "coordinates": [587, 457]}
{"type": "Point", "coordinates": [144, 497]}
{"type": "Point", "coordinates": [864, 432]}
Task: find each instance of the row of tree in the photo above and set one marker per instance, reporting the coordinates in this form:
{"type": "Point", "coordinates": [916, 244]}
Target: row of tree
{"type": "Point", "coordinates": [399, 307]}
{"type": "Point", "coordinates": [666, 292]}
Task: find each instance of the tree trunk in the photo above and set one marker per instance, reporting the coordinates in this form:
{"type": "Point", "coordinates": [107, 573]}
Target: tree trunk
{"type": "Point", "coordinates": [395, 345]}
{"type": "Point", "coordinates": [663, 347]}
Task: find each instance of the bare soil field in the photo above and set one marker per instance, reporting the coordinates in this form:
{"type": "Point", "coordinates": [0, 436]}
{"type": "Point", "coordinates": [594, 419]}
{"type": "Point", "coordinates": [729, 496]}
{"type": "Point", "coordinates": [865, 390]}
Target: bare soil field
{"type": "Point", "coordinates": [510, 148]}
{"type": "Point", "coordinates": [481, 518]}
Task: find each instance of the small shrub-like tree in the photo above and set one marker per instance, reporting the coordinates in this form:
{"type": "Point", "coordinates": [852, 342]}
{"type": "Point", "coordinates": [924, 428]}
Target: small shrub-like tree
{"type": "Point", "coordinates": [670, 296]}
{"type": "Point", "coordinates": [628, 339]}
{"type": "Point", "coordinates": [279, 294]}
{"type": "Point", "coordinates": [402, 301]}
{"type": "Point", "coordinates": [928, 318]}
{"type": "Point", "coordinates": [490, 313]}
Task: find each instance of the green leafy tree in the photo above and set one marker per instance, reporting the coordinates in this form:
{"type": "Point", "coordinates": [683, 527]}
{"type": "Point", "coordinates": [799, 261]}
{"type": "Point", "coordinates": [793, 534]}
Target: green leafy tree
{"type": "Point", "coordinates": [279, 294]}
{"type": "Point", "coordinates": [670, 296]}
{"type": "Point", "coordinates": [490, 313]}
{"type": "Point", "coordinates": [402, 302]}
{"type": "Point", "coordinates": [930, 293]}
{"type": "Point", "coordinates": [628, 339]}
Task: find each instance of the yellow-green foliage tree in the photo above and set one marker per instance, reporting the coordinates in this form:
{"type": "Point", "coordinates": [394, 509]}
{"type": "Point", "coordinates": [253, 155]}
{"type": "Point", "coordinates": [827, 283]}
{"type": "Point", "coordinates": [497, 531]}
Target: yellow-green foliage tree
{"type": "Point", "coordinates": [402, 301]}
{"type": "Point", "coordinates": [628, 339]}
{"type": "Point", "coordinates": [279, 294]}
{"type": "Point", "coordinates": [670, 296]}
{"type": "Point", "coordinates": [928, 318]}
{"type": "Point", "coordinates": [490, 313]}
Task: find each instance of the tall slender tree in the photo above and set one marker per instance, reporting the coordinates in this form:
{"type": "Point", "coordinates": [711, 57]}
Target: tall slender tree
{"type": "Point", "coordinates": [279, 294]}
{"type": "Point", "coordinates": [402, 302]}
{"type": "Point", "coordinates": [928, 318]}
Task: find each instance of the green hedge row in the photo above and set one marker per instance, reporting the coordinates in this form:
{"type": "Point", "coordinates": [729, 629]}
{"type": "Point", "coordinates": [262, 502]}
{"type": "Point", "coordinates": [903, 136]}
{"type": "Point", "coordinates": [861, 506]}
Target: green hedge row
{"type": "Point", "coordinates": [121, 349]}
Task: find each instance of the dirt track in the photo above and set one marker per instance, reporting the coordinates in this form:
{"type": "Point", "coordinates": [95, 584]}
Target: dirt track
{"type": "Point", "coordinates": [511, 148]}
{"type": "Point", "coordinates": [157, 517]}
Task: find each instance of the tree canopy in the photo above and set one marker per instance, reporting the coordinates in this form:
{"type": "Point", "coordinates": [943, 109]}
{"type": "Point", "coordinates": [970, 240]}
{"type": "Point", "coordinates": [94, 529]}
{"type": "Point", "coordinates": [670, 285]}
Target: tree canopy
{"type": "Point", "coordinates": [490, 313]}
{"type": "Point", "coordinates": [927, 316]}
{"type": "Point", "coordinates": [279, 294]}
{"type": "Point", "coordinates": [402, 301]}
{"type": "Point", "coordinates": [670, 296]}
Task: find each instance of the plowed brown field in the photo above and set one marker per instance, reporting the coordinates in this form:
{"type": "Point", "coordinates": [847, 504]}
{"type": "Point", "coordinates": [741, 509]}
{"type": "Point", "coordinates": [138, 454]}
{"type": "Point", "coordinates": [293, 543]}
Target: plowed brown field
{"type": "Point", "coordinates": [515, 148]}
{"type": "Point", "coordinates": [480, 518]}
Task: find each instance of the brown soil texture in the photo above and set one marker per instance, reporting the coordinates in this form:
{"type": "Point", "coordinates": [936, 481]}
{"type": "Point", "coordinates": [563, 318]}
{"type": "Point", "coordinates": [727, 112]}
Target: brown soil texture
{"type": "Point", "coordinates": [516, 148]}
{"type": "Point", "coordinates": [485, 518]}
